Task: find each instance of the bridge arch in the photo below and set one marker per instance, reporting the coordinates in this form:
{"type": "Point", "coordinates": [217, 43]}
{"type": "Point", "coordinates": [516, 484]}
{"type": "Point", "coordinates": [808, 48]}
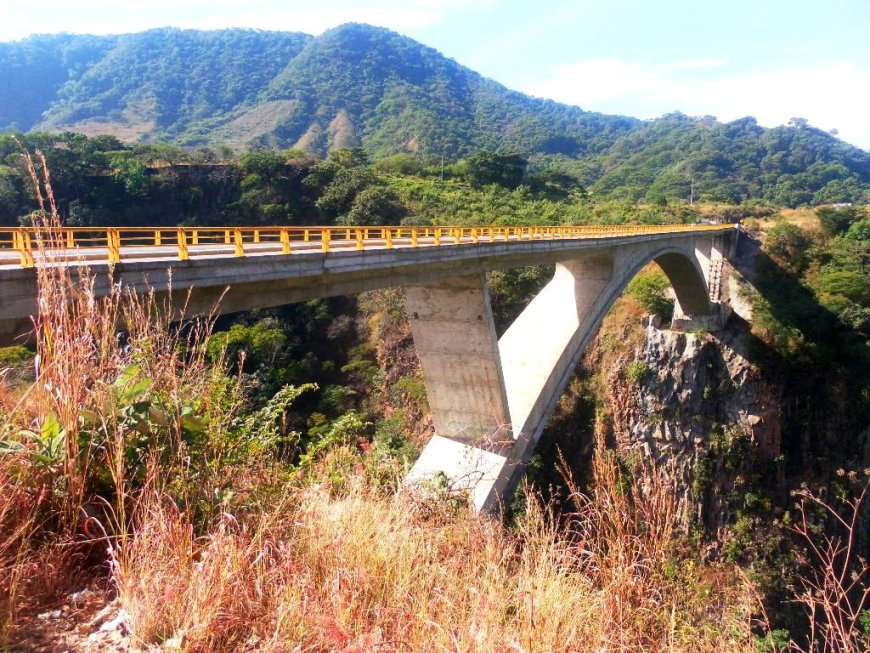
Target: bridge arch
{"type": "Point", "coordinates": [525, 372]}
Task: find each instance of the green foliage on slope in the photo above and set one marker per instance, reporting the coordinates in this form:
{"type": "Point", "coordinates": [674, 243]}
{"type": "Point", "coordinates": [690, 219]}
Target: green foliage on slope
{"type": "Point", "coordinates": [362, 86]}
{"type": "Point", "coordinates": [175, 78]}
{"type": "Point", "coordinates": [785, 166]}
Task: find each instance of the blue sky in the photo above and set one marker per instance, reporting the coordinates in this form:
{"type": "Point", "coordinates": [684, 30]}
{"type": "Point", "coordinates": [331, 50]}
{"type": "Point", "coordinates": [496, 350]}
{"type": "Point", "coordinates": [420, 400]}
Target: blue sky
{"type": "Point", "coordinates": [774, 59]}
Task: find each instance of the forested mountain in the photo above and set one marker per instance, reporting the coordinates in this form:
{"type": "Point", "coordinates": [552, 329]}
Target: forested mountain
{"type": "Point", "coordinates": [158, 83]}
{"type": "Point", "coordinates": [353, 85]}
{"type": "Point", "coordinates": [358, 85]}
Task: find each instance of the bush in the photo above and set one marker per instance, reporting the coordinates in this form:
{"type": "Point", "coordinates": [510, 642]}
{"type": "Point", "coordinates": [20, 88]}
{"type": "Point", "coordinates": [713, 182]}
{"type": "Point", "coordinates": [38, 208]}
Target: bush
{"type": "Point", "coordinates": [15, 356]}
{"type": "Point", "coordinates": [836, 221]}
{"type": "Point", "coordinates": [637, 371]}
{"type": "Point", "coordinates": [859, 230]}
{"type": "Point", "coordinates": [649, 289]}
{"type": "Point", "coordinates": [260, 343]}
{"type": "Point", "coordinates": [788, 244]}
{"type": "Point", "coordinates": [375, 205]}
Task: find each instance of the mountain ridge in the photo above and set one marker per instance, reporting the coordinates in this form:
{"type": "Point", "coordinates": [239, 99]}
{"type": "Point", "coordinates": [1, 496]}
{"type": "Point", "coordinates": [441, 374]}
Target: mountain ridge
{"type": "Point", "coordinates": [358, 85]}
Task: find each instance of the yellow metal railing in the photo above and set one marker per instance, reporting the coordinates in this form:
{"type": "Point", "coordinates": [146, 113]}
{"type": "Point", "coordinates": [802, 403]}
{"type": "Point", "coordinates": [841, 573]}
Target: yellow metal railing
{"type": "Point", "coordinates": [29, 246]}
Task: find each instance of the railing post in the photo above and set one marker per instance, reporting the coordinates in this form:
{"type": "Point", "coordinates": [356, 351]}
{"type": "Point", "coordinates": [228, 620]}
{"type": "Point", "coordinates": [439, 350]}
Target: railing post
{"type": "Point", "coordinates": [239, 242]}
{"type": "Point", "coordinates": [285, 241]}
{"type": "Point", "coordinates": [360, 235]}
{"type": "Point", "coordinates": [158, 240]}
{"type": "Point", "coordinates": [325, 237]}
{"type": "Point", "coordinates": [256, 235]}
{"type": "Point", "coordinates": [414, 241]}
{"type": "Point", "coordinates": [389, 238]}
{"type": "Point", "coordinates": [70, 239]}
{"type": "Point", "coordinates": [183, 254]}
{"type": "Point", "coordinates": [227, 238]}
{"type": "Point", "coordinates": [194, 236]}
{"type": "Point", "coordinates": [24, 246]}
{"type": "Point", "coordinates": [113, 242]}
{"type": "Point", "coordinates": [437, 236]}
{"type": "Point", "coordinates": [474, 235]}
{"type": "Point", "coordinates": [457, 235]}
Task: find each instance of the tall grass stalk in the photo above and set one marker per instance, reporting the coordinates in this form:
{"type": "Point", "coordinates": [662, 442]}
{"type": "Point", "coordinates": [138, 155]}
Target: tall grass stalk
{"type": "Point", "coordinates": [67, 444]}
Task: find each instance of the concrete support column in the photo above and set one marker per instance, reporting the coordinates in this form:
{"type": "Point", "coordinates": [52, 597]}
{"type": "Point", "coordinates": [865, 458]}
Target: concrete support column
{"type": "Point", "coordinates": [711, 257]}
{"type": "Point", "coordinates": [537, 350]}
{"type": "Point", "coordinates": [454, 335]}
{"type": "Point", "coordinates": [517, 380]}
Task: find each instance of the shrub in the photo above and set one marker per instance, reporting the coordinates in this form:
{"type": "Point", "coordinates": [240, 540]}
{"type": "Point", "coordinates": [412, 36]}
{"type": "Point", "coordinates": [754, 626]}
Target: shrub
{"type": "Point", "coordinates": [859, 230]}
{"type": "Point", "coordinates": [788, 244]}
{"type": "Point", "coordinates": [836, 220]}
{"type": "Point", "coordinates": [15, 356]}
{"type": "Point", "coordinates": [259, 344]}
{"type": "Point", "coordinates": [649, 289]}
{"type": "Point", "coordinates": [637, 371]}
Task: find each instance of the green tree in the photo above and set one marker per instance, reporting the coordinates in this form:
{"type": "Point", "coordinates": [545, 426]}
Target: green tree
{"type": "Point", "coordinates": [788, 244]}
{"type": "Point", "coordinates": [350, 157]}
{"type": "Point", "coordinates": [650, 290]}
{"type": "Point", "coordinates": [376, 205]}
{"type": "Point", "coordinates": [837, 220]}
{"type": "Point", "coordinates": [339, 195]}
{"type": "Point", "coordinates": [859, 230]}
{"type": "Point", "coordinates": [502, 169]}
{"type": "Point", "coordinates": [131, 174]}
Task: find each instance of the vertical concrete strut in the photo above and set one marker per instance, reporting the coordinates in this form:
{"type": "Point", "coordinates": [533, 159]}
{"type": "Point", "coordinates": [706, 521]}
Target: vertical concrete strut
{"type": "Point", "coordinates": [455, 338]}
{"type": "Point", "coordinates": [534, 358]}
{"type": "Point", "coordinates": [454, 335]}
{"type": "Point", "coordinates": [691, 311]}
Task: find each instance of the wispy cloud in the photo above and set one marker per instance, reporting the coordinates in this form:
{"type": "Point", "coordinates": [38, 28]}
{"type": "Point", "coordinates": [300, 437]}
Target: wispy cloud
{"type": "Point", "coordinates": [830, 95]}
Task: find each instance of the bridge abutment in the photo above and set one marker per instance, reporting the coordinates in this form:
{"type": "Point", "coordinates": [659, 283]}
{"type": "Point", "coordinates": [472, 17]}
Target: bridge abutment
{"type": "Point", "coordinates": [711, 254]}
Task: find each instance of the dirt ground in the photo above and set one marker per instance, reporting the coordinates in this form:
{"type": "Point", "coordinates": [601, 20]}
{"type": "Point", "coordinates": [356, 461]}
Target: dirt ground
{"type": "Point", "coordinates": [89, 621]}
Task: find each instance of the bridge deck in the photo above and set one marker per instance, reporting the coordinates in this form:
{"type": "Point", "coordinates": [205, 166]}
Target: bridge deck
{"type": "Point", "coordinates": [29, 247]}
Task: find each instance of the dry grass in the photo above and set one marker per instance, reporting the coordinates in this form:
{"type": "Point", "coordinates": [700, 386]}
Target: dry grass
{"type": "Point", "coordinates": [805, 218]}
{"type": "Point", "coordinates": [360, 570]}
{"type": "Point", "coordinates": [366, 571]}
{"type": "Point", "coordinates": [21, 496]}
{"type": "Point", "coordinates": [53, 477]}
{"type": "Point", "coordinates": [836, 590]}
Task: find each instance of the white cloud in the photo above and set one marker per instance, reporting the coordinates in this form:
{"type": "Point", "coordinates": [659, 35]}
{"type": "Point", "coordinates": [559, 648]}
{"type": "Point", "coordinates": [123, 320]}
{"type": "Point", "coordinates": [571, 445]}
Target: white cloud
{"type": "Point", "coordinates": [830, 95]}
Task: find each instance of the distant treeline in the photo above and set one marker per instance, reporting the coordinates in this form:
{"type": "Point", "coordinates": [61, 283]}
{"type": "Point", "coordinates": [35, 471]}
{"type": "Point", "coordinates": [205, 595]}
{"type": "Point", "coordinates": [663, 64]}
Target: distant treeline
{"type": "Point", "coordinates": [102, 181]}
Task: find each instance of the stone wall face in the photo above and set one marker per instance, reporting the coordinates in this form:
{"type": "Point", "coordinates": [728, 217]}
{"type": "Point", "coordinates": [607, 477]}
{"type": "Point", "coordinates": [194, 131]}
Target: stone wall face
{"type": "Point", "coordinates": [703, 413]}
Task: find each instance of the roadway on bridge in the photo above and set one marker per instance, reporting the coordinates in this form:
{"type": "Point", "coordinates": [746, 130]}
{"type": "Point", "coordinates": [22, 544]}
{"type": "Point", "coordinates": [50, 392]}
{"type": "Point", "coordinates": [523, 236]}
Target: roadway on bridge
{"type": "Point", "coordinates": [78, 255]}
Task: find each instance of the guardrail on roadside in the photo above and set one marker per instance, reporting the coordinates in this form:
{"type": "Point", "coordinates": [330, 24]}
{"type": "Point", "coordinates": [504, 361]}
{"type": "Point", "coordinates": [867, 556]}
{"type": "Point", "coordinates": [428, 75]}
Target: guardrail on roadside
{"type": "Point", "coordinates": [60, 244]}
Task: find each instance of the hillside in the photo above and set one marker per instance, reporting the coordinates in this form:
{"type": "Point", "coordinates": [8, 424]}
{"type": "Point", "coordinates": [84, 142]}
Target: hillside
{"type": "Point", "coordinates": [354, 84]}
{"type": "Point", "coordinates": [358, 85]}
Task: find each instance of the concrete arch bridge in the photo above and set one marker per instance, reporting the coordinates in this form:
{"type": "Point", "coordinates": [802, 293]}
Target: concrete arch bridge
{"type": "Point", "coordinates": [490, 397]}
